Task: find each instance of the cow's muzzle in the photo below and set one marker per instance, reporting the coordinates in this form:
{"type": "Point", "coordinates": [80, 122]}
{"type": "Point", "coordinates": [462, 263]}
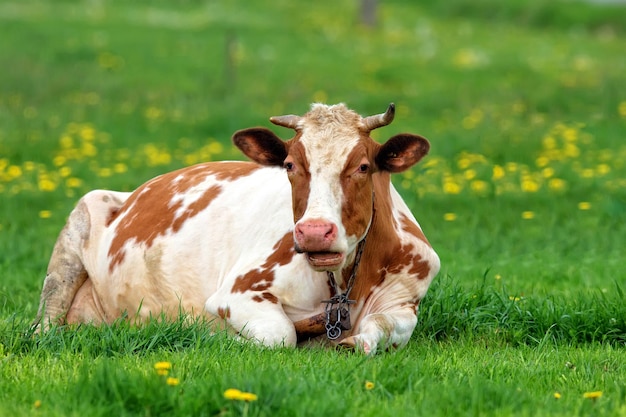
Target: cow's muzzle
{"type": "Point", "coordinates": [316, 238]}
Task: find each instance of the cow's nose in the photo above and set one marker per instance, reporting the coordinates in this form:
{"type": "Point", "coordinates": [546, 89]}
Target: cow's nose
{"type": "Point", "coordinates": [315, 235]}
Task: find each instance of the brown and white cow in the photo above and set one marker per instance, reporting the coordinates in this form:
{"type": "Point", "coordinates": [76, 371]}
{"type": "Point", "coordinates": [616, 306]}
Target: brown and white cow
{"type": "Point", "coordinates": [258, 244]}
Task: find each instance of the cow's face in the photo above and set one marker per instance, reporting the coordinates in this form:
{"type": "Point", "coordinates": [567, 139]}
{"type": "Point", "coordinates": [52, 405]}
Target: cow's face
{"type": "Point", "coordinates": [330, 163]}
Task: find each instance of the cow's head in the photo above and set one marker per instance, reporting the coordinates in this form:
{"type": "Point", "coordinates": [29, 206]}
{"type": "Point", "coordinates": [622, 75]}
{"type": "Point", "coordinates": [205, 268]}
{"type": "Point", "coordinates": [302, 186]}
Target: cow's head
{"type": "Point", "coordinates": [330, 162]}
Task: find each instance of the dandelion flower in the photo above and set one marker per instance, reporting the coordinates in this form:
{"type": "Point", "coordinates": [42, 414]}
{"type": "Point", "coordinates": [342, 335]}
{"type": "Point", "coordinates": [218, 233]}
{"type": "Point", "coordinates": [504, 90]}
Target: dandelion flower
{"type": "Point", "coordinates": [45, 214]}
{"type": "Point", "coordinates": [528, 215]}
{"type": "Point", "coordinates": [248, 396]}
{"type": "Point", "coordinates": [172, 381]}
{"type": "Point", "coordinates": [557, 395]}
{"type": "Point", "coordinates": [592, 395]}
{"type": "Point", "coordinates": [449, 217]}
{"type": "Point", "coordinates": [232, 394]}
{"type": "Point", "coordinates": [369, 385]}
{"type": "Point", "coordinates": [237, 395]}
{"type": "Point", "coordinates": [37, 404]}
{"type": "Point", "coordinates": [163, 368]}
{"type": "Point", "coordinates": [584, 205]}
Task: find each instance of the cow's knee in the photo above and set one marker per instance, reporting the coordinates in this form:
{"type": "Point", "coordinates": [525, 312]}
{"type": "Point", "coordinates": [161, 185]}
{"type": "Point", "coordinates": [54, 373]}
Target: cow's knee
{"type": "Point", "coordinates": [261, 322]}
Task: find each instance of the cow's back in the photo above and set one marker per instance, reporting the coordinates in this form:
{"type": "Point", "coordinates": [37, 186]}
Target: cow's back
{"type": "Point", "coordinates": [181, 236]}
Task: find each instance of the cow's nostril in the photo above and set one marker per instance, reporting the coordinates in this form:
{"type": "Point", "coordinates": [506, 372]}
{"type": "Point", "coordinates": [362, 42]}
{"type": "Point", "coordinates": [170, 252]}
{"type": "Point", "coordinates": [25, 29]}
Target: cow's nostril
{"type": "Point", "coordinates": [315, 235]}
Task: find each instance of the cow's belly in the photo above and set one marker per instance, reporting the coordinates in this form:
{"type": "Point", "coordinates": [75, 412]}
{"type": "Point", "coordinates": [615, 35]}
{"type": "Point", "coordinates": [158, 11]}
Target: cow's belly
{"type": "Point", "coordinates": [185, 265]}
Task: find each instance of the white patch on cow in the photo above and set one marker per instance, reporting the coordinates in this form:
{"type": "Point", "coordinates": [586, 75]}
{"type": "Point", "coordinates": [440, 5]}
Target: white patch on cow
{"type": "Point", "coordinates": [327, 147]}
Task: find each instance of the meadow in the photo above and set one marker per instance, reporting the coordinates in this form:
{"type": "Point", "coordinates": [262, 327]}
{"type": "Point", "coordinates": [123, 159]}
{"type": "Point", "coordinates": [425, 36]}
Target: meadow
{"type": "Point", "coordinates": [523, 195]}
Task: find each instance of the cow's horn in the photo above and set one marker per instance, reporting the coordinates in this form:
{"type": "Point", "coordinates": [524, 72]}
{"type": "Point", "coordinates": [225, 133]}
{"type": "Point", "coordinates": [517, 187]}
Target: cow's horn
{"type": "Point", "coordinates": [379, 120]}
{"type": "Point", "coordinates": [290, 120]}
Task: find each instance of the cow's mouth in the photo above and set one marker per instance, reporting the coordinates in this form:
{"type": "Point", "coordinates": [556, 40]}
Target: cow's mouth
{"type": "Point", "coordinates": [324, 260]}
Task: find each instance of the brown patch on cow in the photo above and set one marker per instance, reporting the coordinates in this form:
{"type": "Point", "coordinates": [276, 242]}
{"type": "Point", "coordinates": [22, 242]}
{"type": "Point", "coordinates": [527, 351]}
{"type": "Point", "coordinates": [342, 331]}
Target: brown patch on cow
{"type": "Point", "coordinates": [261, 279]}
{"type": "Point", "coordinates": [411, 228]}
{"type": "Point", "coordinates": [265, 296]}
{"type": "Point", "coordinates": [231, 170]}
{"type": "Point", "coordinates": [111, 216]}
{"type": "Point", "coordinates": [405, 257]}
{"type": "Point", "coordinates": [150, 211]}
{"type": "Point", "coordinates": [300, 179]}
{"type": "Point", "coordinates": [223, 312]}
{"type": "Point", "coordinates": [356, 210]}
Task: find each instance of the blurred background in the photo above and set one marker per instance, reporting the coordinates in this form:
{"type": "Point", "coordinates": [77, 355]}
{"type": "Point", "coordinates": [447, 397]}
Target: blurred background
{"type": "Point", "coordinates": [524, 103]}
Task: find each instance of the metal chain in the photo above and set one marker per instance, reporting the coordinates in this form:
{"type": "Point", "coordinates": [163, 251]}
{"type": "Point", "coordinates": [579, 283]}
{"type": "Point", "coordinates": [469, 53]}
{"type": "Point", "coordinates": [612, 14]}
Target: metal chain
{"type": "Point", "coordinates": [340, 302]}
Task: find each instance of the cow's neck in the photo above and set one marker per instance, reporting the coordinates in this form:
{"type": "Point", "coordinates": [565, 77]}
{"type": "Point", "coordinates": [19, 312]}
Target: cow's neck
{"type": "Point", "coordinates": [381, 236]}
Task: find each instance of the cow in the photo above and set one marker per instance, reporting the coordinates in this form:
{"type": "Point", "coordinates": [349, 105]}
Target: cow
{"type": "Point", "coordinates": [308, 240]}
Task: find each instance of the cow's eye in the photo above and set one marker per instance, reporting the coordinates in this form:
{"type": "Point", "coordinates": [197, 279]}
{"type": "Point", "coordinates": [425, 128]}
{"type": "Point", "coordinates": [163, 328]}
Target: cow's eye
{"type": "Point", "coordinates": [288, 166]}
{"type": "Point", "coordinates": [363, 168]}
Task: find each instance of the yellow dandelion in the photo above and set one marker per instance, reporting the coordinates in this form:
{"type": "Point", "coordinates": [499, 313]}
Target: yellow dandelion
{"type": "Point", "coordinates": [59, 160]}
{"type": "Point", "coordinates": [120, 168]}
{"type": "Point", "coordinates": [73, 182]}
{"type": "Point", "coordinates": [105, 172]}
{"type": "Point", "coordinates": [622, 109]}
{"type": "Point", "coordinates": [557, 395]}
{"type": "Point", "coordinates": [320, 96]}
{"type": "Point", "coordinates": [172, 381]}
{"type": "Point", "coordinates": [237, 395]}
{"type": "Point", "coordinates": [571, 150]}
{"type": "Point", "coordinates": [529, 185]}
{"type": "Point", "coordinates": [469, 174]}
{"type": "Point", "coordinates": [369, 385]}
{"type": "Point", "coordinates": [163, 368]}
{"type": "Point", "coordinates": [45, 214]}
{"type": "Point", "coordinates": [65, 172]}
{"type": "Point", "coordinates": [570, 134]}
{"type": "Point", "coordinates": [449, 217]}
{"type": "Point", "coordinates": [153, 113]}
{"type": "Point", "coordinates": [593, 395]}
{"type": "Point", "coordinates": [603, 169]}
{"type": "Point", "coordinates": [498, 277]}
{"type": "Point", "coordinates": [248, 396]}
{"type": "Point", "coordinates": [46, 184]}
{"type": "Point", "coordinates": [556, 184]}
{"type": "Point", "coordinates": [232, 394]}
{"type": "Point", "coordinates": [466, 58]}
{"type": "Point", "coordinates": [87, 132]}
{"type": "Point", "coordinates": [547, 172]}
{"type": "Point", "coordinates": [451, 187]}
{"type": "Point", "coordinates": [14, 171]}
{"type": "Point", "coordinates": [584, 205]}
{"type": "Point", "coordinates": [37, 404]}
{"type": "Point", "coordinates": [542, 161]}
{"type": "Point", "coordinates": [479, 186]}
{"type": "Point", "coordinates": [66, 142]}
{"type": "Point", "coordinates": [498, 172]}
{"type": "Point", "coordinates": [528, 215]}
{"type": "Point", "coordinates": [513, 298]}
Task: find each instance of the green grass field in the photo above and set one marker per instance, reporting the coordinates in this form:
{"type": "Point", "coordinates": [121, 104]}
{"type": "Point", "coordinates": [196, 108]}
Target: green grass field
{"type": "Point", "coordinates": [523, 195]}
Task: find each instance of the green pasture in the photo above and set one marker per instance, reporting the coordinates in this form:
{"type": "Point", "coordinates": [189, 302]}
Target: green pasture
{"type": "Point", "coordinates": [523, 195]}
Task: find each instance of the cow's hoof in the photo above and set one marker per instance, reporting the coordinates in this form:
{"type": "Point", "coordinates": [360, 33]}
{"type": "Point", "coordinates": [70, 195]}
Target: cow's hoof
{"type": "Point", "coordinates": [354, 344]}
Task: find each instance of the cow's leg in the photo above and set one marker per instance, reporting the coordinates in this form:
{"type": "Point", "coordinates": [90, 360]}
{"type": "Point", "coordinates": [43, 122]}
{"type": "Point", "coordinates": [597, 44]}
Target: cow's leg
{"type": "Point", "coordinates": [256, 317]}
{"type": "Point", "coordinates": [66, 270]}
{"type": "Point", "coordinates": [85, 307]}
{"type": "Point", "coordinates": [390, 329]}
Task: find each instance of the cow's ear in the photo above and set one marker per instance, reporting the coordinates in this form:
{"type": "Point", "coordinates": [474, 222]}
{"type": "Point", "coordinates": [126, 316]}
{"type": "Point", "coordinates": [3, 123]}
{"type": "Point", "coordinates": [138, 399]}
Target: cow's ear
{"type": "Point", "coordinates": [401, 152]}
{"type": "Point", "coordinates": [261, 145]}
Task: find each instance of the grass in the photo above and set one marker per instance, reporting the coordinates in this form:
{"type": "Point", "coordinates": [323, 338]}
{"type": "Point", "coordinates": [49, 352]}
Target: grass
{"type": "Point", "coordinates": [523, 195]}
